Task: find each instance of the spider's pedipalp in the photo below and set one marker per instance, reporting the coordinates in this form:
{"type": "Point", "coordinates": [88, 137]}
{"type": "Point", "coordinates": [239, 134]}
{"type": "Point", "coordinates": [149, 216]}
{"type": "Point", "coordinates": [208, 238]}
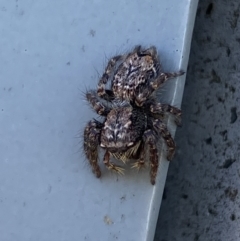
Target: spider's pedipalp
{"type": "Point", "coordinates": [91, 143]}
{"type": "Point", "coordinates": [140, 163]}
{"type": "Point", "coordinates": [111, 166]}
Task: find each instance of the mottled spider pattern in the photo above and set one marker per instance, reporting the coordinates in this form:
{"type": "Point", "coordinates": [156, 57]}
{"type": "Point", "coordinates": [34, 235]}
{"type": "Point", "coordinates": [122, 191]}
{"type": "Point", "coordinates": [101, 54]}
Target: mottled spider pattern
{"type": "Point", "coordinates": [133, 120]}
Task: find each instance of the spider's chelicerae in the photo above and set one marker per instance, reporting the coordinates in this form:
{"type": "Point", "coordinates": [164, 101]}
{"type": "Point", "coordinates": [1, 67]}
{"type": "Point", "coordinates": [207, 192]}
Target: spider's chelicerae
{"type": "Point", "coordinates": [133, 119]}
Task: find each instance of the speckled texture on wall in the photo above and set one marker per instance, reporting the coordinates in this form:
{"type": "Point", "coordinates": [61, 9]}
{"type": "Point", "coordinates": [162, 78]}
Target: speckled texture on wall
{"type": "Point", "coordinates": [202, 199]}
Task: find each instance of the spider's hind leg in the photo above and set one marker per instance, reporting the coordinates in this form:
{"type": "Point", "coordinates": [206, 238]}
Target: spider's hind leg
{"type": "Point", "coordinates": [164, 77]}
{"type": "Point", "coordinates": [140, 163]}
{"type": "Point", "coordinates": [154, 85]}
{"type": "Point", "coordinates": [111, 66]}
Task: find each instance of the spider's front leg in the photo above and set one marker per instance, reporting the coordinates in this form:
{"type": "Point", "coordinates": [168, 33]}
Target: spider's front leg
{"type": "Point", "coordinates": [161, 109]}
{"type": "Point", "coordinates": [91, 142]}
{"type": "Point", "coordinates": [150, 139]}
{"type": "Point", "coordinates": [161, 128]}
{"type": "Point", "coordinates": [102, 92]}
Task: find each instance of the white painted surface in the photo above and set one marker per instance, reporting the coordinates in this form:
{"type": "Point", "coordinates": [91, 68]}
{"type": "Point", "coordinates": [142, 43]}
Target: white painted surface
{"type": "Point", "coordinates": [50, 51]}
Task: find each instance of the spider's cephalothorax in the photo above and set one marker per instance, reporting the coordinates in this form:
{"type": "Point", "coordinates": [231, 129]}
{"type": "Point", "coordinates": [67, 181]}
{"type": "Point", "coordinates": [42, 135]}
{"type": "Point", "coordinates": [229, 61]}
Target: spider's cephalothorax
{"type": "Point", "coordinates": [133, 119]}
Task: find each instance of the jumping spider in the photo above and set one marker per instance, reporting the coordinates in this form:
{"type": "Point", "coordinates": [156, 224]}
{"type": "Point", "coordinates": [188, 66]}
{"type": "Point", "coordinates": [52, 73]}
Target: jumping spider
{"type": "Point", "coordinates": [133, 119]}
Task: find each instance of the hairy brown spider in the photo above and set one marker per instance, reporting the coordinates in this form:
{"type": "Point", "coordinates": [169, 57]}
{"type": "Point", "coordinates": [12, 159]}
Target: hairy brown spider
{"type": "Point", "coordinates": [133, 119]}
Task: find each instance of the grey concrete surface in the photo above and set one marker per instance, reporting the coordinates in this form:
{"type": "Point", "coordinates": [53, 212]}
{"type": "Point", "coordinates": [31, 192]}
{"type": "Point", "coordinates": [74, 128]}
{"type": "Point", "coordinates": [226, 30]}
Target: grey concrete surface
{"type": "Point", "coordinates": [50, 51]}
{"type": "Point", "coordinates": [201, 199]}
